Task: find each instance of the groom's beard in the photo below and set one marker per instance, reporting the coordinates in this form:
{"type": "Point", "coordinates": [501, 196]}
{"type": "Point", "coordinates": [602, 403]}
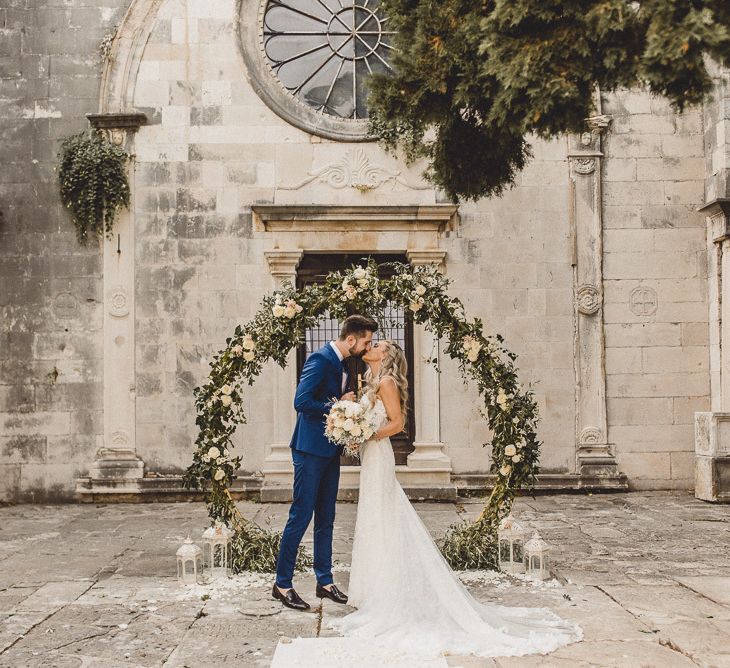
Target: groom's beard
{"type": "Point", "coordinates": [355, 354]}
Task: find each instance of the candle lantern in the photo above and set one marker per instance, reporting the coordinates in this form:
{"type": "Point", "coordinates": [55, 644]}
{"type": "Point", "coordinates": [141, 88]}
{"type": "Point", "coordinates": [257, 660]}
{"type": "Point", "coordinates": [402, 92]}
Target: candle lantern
{"type": "Point", "coordinates": [537, 560]}
{"type": "Point", "coordinates": [189, 563]}
{"type": "Point", "coordinates": [217, 550]}
{"type": "Point", "coordinates": [511, 539]}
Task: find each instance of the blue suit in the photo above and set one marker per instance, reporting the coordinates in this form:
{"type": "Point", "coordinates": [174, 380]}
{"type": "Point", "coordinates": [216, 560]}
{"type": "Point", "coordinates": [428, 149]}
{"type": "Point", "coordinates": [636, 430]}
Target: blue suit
{"type": "Point", "coordinates": [316, 468]}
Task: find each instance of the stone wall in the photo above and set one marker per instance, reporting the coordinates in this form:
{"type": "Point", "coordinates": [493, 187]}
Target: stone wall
{"type": "Point", "coordinates": [655, 283]}
{"type": "Point", "coordinates": [212, 150]}
{"type": "Point", "coordinates": [50, 288]}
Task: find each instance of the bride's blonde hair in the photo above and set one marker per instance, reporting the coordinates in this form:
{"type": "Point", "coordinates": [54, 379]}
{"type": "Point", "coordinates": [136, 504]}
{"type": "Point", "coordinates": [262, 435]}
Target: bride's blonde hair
{"type": "Point", "coordinates": [393, 364]}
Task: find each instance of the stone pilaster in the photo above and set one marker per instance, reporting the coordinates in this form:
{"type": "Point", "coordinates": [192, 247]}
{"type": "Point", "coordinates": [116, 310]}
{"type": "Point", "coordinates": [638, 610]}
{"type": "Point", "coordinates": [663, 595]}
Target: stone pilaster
{"type": "Point", "coordinates": [429, 456]}
{"type": "Point", "coordinates": [712, 428]}
{"type": "Point", "coordinates": [594, 457]}
{"type": "Point", "coordinates": [117, 466]}
{"type": "Point", "coordinates": [278, 468]}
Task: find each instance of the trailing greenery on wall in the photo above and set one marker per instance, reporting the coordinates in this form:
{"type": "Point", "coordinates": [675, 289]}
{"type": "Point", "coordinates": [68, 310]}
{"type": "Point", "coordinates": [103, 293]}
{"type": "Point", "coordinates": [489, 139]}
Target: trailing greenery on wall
{"type": "Point", "coordinates": [92, 177]}
{"type": "Point", "coordinates": [280, 324]}
{"type": "Point", "coordinates": [475, 80]}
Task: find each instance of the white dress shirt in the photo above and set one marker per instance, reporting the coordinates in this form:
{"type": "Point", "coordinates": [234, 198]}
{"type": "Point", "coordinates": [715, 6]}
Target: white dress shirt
{"type": "Point", "coordinates": [340, 357]}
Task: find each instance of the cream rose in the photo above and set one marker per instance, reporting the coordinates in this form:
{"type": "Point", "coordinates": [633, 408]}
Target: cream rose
{"type": "Point", "coordinates": [517, 459]}
{"type": "Point", "coordinates": [219, 474]}
{"type": "Point", "coordinates": [356, 430]}
{"type": "Point", "coordinates": [339, 422]}
{"type": "Point", "coordinates": [510, 450]}
{"type": "Point", "coordinates": [349, 424]}
{"type": "Point", "coordinates": [278, 310]}
{"type": "Point", "coordinates": [214, 452]}
{"type": "Point", "coordinates": [226, 400]}
{"type": "Point", "coordinates": [506, 469]}
{"type": "Point", "coordinates": [226, 389]}
{"type": "Point", "coordinates": [289, 312]}
{"type": "Point", "coordinates": [249, 355]}
{"type": "Point", "coordinates": [420, 290]}
{"type": "Point", "coordinates": [337, 433]}
{"type": "Point", "coordinates": [359, 273]}
{"type": "Point", "coordinates": [416, 306]}
{"type": "Point", "coordinates": [473, 354]}
{"type": "Point", "coordinates": [248, 343]}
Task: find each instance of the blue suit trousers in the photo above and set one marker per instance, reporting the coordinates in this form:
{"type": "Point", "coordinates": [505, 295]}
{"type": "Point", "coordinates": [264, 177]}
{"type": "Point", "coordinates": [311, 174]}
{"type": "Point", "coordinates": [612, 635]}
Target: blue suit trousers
{"type": "Point", "coordinates": [316, 480]}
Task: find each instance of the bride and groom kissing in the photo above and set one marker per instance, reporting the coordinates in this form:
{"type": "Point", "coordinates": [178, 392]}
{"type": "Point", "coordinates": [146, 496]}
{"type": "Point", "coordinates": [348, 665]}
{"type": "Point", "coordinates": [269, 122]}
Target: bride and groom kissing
{"type": "Point", "coordinates": [406, 595]}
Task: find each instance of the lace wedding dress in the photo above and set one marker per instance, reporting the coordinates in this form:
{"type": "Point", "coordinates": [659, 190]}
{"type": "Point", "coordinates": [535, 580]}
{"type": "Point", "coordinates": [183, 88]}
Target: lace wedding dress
{"type": "Point", "coordinates": [407, 596]}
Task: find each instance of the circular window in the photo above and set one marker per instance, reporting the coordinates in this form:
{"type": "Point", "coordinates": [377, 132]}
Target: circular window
{"type": "Point", "coordinates": [310, 60]}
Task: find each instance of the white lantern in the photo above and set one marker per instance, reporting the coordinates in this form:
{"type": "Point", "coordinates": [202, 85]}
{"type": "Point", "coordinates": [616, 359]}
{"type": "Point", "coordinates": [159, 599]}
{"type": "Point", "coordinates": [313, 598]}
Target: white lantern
{"type": "Point", "coordinates": [189, 563]}
{"type": "Point", "coordinates": [217, 550]}
{"type": "Point", "coordinates": [511, 540]}
{"type": "Point", "coordinates": [537, 560]}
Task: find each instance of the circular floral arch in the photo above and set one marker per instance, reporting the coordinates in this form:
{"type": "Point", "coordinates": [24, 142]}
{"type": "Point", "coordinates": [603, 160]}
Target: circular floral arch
{"type": "Point", "coordinates": [281, 323]}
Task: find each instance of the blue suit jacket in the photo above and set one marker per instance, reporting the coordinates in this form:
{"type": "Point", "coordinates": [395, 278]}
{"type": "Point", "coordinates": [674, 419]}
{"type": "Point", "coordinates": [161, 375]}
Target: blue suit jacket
{"type": "Point", "coordinates": [320, 383]}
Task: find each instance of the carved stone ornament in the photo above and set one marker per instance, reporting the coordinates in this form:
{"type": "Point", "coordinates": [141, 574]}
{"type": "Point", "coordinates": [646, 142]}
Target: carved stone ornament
{"type": "Point", "coordinates": [65, 305]}
{"type": "Point", "coordinates": [588, 299]}
{"type": "Point", "coordinates": [584, 165]}
{"type": "Point", "coordinates": [643, 301]}
{"type": "Point", "coordinates": [120, 438]}
{"type": "Point", "coordinates": [118, 302]}
{"type": "Point", "coordinates": [591, 436]}
{"type": "Point", "coordinates": [353, 170]}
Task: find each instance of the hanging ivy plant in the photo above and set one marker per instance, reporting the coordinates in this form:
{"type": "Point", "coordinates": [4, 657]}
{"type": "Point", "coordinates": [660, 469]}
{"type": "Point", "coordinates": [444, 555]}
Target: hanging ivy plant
{"type": "Point", "coordinates": [92, 178]}
{"type": "Point", "coordinates": [280, 324]}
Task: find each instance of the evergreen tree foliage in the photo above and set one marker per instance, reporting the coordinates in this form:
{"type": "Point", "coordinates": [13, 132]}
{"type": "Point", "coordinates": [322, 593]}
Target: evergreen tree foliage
{"type": "Point", "coordinates": [473, 79]}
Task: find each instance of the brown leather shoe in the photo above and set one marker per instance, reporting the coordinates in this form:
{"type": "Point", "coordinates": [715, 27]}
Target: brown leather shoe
{"type": "Point", "coordinates": [332, 593]}
{"type": "Point", "coordinates": [291, 599]}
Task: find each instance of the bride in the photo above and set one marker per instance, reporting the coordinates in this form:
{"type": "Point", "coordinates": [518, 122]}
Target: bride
{"type": "Point", "coordinates": [408, 598]}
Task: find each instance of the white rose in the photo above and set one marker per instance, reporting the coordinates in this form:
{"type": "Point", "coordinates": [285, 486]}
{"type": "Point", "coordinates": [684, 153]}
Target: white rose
{"type": "Point", "coordinates": [356, 431]}
{"type": "Point", "coordinates": [473, 354]}
{"type": "Point", "coordinates": [226, 389]}
{"type": "Point", "coordinates": [226, 400]}
{"type": "Point", "coordinates": [363, 282]}
{"type": "Point", "coordinates": [214, 452]}
{"type": "Point", "coordinates": [289, 312]}
{"type": "Point", "coordinates": [349, 424]}
{"type": "Point", "coordinates": [248, 343]}
{"type": "Point", "coordinates": [339, 422]}
{"type": "Point", "coordinates": [420, 289]}
{"type": "Point", "coordinates": [337, 433]}
{"type": "Point", "coordinates": [502, 399]}
{"type": "Point", "coordinates": [359, 273]}
{"type": "Point", "coordinates": [510, 450]}
{"type": "Point", "coordinates": [249, 355]}
{"type": "Point", "coordinates": [517, 459]}
{"type": "Point", "coordinates": [219, 474]}
{"type": "Point", "coordinates": [415, 306]}
{"type": "Point", "coordinates": [505, 470]}
{"type": "Point", "coordinates": [278, 311]}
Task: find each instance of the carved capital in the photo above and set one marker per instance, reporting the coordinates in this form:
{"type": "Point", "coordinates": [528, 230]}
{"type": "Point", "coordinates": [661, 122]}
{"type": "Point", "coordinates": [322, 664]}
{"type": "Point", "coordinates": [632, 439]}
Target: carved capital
{"type": "Point", "coordinates": [283, 263]}
{"type": "Point", "coordinates": [117, 127]}
{"type": "Point", "coordinates": [718, 216]}
{"type": "Point", "coordinates": [430, 256]}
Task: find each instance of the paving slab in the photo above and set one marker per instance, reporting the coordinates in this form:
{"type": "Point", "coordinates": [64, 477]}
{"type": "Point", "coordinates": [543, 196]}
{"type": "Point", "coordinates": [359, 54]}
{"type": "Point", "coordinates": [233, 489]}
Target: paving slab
{"type": "Point", "coordinates": [645, 574]}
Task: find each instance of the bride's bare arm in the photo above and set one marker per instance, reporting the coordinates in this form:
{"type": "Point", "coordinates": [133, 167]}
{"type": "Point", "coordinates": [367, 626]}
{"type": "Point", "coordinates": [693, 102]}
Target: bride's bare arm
{"type": "Point", "coordinates": [388, 392]}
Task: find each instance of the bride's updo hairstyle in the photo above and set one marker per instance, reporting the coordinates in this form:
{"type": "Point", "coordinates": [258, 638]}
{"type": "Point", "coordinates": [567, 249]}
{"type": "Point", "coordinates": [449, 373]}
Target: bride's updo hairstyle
{"type": "Point", "coordinates": [394, 364]}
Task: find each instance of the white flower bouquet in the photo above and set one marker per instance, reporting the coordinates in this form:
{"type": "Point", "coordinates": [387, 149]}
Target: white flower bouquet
{"type": "Point", "coordinates": [349, 425]}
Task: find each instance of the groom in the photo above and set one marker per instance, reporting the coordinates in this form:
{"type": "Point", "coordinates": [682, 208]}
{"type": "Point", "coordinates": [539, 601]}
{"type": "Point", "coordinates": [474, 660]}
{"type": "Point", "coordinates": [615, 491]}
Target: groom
{"type": "Point", "coordinates": [317, 461]}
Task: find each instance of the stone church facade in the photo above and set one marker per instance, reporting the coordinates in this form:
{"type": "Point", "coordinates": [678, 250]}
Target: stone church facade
{"type": "Point", "coordinates": [602, 267]}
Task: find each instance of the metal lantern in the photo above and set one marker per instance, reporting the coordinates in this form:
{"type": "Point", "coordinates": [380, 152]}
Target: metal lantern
{"type": "Point", "coordinates": [217, 550]}
{"type": "Point", "coordinates": [511, 539]}
{"type": "Point", "coordinates": [189, 563]}
{"type": "Point", "coordinates": [537, 560]}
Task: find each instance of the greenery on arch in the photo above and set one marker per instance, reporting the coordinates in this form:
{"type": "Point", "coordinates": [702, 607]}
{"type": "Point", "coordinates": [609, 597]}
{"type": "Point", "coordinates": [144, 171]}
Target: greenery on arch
{"type": "Point", "coordinates": [280, 324]}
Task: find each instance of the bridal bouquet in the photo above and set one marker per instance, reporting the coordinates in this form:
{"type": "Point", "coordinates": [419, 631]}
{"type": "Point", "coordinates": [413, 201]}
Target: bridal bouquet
{"type": "Point", "coordinates": [349, 425]}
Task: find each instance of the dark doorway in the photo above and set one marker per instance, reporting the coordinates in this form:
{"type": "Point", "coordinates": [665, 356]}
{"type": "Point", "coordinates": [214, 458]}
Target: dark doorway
{"type": "Point", "coordinates": [314, 268]}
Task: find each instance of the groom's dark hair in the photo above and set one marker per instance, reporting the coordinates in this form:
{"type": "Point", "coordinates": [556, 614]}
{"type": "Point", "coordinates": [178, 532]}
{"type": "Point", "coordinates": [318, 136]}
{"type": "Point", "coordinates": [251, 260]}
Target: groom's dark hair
{"type": "Point", "coordinates": [357, 325]}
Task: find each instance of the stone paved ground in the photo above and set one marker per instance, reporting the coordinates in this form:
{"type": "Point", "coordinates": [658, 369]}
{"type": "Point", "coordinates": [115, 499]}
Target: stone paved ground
{"type": "Point", "coordinates": [647, 575]}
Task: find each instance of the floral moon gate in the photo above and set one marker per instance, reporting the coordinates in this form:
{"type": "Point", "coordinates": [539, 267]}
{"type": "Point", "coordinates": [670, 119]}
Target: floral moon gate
{"type": "Point", "coordinates": [280, 324]}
